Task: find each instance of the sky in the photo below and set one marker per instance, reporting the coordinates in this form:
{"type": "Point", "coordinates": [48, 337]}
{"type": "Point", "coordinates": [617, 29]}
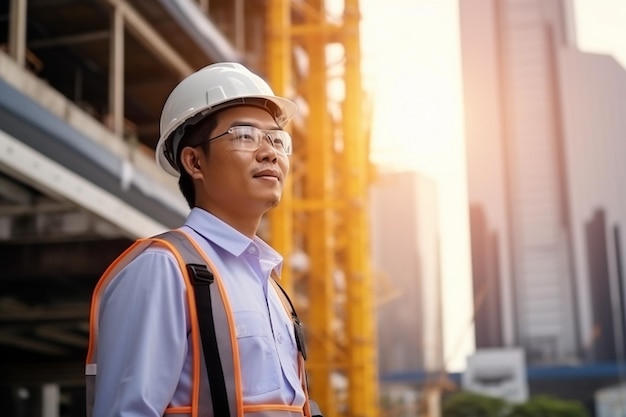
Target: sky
{"type": "Point", "coordinates": [411, 69]}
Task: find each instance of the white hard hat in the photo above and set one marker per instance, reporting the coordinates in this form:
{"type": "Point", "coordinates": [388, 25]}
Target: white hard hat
{"type": "Point", "coordinates": [205, 91]}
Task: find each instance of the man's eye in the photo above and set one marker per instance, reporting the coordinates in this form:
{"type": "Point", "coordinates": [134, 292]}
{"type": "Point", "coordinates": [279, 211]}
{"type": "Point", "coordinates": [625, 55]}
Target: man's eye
{"type": "Point", "coordinates": [245, 136]}
{"type": "Point", "coordinates": [278, 141]}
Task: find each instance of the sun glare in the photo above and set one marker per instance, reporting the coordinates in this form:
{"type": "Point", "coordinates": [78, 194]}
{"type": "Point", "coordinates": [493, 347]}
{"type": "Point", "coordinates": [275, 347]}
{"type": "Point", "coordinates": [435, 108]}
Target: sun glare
{"type": "Point", "coordinates": [414, 121]}
{"type": "Point", "coordinates": [411, 59]}
{"type": "Point", "coordinates": [411, 65]}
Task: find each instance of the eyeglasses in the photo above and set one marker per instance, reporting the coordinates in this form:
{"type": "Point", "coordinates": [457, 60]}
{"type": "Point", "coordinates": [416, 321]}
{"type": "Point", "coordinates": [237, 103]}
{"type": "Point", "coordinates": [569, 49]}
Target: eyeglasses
{"type": "Point", "coordinates": [250, 138]}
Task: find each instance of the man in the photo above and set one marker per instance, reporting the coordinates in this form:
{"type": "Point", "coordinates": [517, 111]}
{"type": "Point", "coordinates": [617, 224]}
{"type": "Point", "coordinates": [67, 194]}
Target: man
{"type": "Point", "coordinates": [222, 134]}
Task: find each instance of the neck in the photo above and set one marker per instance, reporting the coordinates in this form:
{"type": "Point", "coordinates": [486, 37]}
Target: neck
{"type": "Point", "coordinates": [247, 225]}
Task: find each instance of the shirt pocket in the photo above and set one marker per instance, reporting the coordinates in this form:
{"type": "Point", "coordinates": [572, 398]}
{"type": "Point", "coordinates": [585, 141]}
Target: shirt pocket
{"type": "Point", "coordinates": [259, 362]}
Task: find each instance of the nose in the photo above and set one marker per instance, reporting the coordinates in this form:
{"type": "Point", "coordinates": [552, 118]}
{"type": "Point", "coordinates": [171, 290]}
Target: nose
{"type": "Point", "coordinates": [267, 150]}
{"type": "Point", "coordinates": [268, 138]}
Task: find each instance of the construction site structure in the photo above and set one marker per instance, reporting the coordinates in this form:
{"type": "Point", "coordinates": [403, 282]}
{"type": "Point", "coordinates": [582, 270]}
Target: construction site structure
{"type": "Point", "coordinates": [81, 88]}
{"type": "Point", "coordinates": [329, 201]}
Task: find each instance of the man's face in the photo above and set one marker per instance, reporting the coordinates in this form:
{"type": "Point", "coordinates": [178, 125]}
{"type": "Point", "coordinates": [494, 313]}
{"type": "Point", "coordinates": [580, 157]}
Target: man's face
{"type": "Point", "coordinates": [241, 182]}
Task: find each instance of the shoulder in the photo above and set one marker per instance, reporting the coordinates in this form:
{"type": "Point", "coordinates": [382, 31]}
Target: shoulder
{"type": "Point", "coordinates": [155, 258]}
{"type": "Point", "coordinates": [153, 270]}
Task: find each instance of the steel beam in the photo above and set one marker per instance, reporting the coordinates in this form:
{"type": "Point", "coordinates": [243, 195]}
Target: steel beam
{"type": "Point", "coordinates": [362, 375]}
{"type": "Point", "coordinates": [17, 31]}
{"type": "Point", "coordinates": [116, 72]}
{"type": "Point", "coordinates": [69, 40]}
{"type": "Point", "coordinates": [151, 39]}
{"type": "Point", "coordinates": [320, 224]}
{"type": "Point", "coordinates": [30, 344]}
{"type": "Point", "coordinates": [61, 334]}
{"type": "Point", "coordinates": [278, 65]}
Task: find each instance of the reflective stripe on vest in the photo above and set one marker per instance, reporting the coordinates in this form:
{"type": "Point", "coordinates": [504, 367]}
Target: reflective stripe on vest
{"type": "Point", "coordinates": [186, 251]}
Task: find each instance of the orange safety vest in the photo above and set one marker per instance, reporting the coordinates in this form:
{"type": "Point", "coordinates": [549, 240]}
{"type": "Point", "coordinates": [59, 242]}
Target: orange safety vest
{"type": "Point", "coordinates": [186, 251]}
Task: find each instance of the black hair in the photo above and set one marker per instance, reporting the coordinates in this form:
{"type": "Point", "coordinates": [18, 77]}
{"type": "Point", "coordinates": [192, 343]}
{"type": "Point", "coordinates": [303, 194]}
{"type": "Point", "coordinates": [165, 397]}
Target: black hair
{"type": "Point", "coordinates": [195, 135]}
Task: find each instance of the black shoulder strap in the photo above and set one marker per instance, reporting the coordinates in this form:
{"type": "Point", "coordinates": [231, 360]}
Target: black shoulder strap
{"type": "Point", "coordinates": [202, 279]}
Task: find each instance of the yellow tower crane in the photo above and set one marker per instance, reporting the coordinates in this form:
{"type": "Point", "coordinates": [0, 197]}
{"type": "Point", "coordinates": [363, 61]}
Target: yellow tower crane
{"type": "Point", "coordinates": [324, 214]}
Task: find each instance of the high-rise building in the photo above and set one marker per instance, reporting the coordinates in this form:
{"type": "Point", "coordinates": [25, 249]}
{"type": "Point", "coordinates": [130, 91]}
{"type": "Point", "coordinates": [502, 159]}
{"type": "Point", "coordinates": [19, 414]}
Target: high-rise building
{"type": "Point", "coordinates": [405, 250]}
{"type": "Point", "coordinates": [592, 102]}
{"type": "Point", "coordinates": [544, 140]}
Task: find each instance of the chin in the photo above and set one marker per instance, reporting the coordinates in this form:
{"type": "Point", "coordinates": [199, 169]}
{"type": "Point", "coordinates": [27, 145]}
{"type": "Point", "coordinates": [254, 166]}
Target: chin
{"type": "Point", "coordinates": [273, 202]}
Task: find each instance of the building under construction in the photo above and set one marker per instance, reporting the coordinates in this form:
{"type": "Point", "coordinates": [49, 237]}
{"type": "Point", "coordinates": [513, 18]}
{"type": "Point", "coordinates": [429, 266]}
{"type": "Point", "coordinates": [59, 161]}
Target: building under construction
{"type": "Point", "coordinates": [82, 83]}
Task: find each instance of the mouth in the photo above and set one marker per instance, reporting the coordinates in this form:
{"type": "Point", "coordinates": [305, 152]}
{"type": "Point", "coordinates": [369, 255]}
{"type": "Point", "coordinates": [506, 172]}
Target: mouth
{"type": "Point", "coordinates": [268, 175]}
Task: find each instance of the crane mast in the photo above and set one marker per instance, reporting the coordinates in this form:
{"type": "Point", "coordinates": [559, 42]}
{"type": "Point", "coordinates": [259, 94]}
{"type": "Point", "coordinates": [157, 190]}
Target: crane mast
{"type": "Point", "coordinates": [323, 218]}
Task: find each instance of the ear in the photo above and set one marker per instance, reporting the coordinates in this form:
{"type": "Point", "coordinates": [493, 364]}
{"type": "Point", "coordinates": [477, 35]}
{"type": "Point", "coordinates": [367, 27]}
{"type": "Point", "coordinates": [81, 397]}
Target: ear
{"type": "Point", "coordinates": [190, 159]}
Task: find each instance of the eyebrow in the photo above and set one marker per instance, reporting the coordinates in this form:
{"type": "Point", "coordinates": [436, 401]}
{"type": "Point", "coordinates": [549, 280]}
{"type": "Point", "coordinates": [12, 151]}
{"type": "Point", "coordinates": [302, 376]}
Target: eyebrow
{"type": "Point", "coordinates": [252, 124]}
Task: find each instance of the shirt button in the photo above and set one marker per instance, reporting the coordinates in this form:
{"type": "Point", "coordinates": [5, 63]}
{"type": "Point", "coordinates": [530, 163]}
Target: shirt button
{"type": "Point", "coordinates": [252, 250]}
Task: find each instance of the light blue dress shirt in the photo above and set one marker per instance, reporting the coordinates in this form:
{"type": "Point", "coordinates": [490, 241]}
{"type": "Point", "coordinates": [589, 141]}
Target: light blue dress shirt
{"type": "Point", "coordinates": [144, 356]}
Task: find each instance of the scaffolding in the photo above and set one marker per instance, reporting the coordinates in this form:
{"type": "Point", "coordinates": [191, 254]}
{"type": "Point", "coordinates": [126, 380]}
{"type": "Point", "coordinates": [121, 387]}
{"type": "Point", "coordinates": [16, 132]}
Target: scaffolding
{"type": "Point", "coordinates": [323, 218]}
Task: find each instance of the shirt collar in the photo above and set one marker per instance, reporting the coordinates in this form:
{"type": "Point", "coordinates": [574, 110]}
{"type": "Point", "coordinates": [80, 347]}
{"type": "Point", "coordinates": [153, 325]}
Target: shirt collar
{"type": "Point", "coordinates": [229, 239]}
